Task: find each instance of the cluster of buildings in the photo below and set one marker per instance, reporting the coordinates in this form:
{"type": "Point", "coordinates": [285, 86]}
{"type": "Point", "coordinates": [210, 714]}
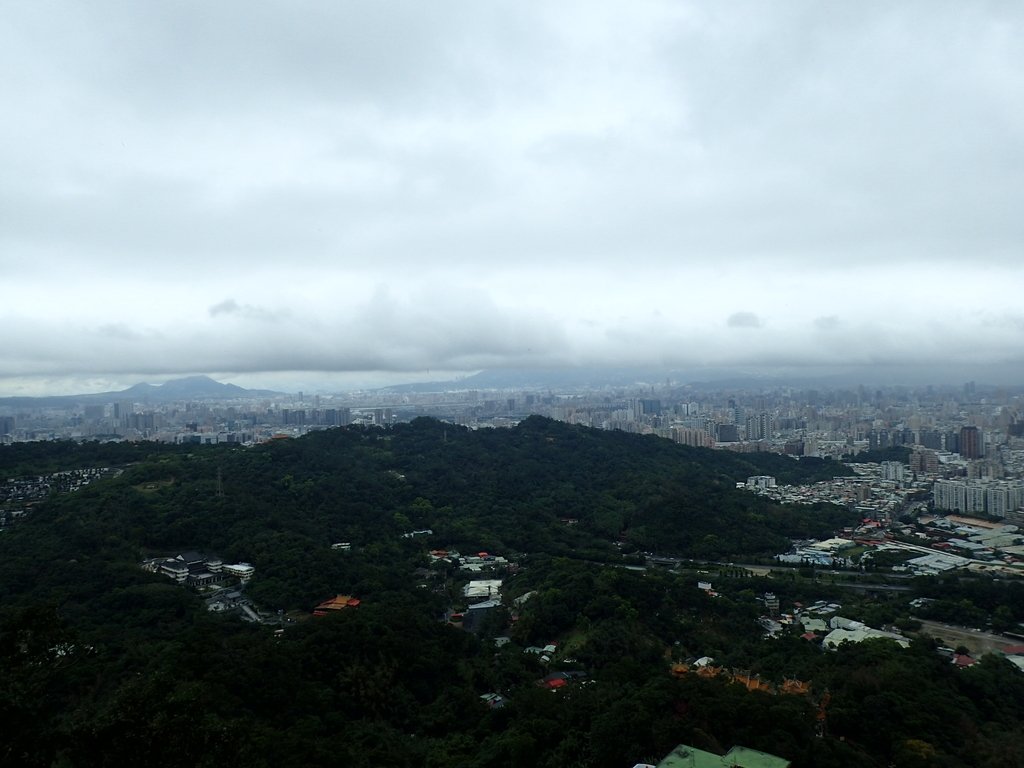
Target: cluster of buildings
{"type": "Point", "coordinates": [955, 542]}
{"type": "Point", "coordinates": [200, 571]}
{"type": "Point", "coordinates": [223, 583]}
{"type": "Point", "coordinates": [910, 511]}
{"type": "Point", "coordinates": [973, 422]}
{"type": "Point", "coordinates": [820, 622]}
{"type": "Point", "coordinates": [967, 422]}
{"type": "Point", "coordinates": [481, 596]}
{"type": "Point", "coordinates": [828, 553]}
{"type": "Point", "coordinates": [851, 631]}
{"type": "Point", "coordinates": [881, 491]}
{"type": "Point", "coordinates": [967, 444]}
{"type": "Point", "coordinates": [932, 545]}
{"type": "Point", "coordinates": [187, 422]}
{"type": "Point", "coordinates": [17, 495]}
{"type": "Point", "coordinates": [999, 498]}
{"type": "Point", "coordinates": [477, 563]}
{"type": "Point", "coordinates": [481, 593]}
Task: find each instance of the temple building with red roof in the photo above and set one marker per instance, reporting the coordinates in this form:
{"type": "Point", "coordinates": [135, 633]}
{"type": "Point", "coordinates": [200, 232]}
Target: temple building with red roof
{"type": "Point", "coordinates": [336, 603]}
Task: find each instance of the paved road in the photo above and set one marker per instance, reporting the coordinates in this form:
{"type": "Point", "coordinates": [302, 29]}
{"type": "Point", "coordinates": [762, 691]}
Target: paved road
{"type": "Point", "coordinates": [977, 642]}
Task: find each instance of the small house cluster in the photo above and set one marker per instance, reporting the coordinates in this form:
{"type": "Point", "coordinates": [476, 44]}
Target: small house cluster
{"type": "Point", "coordinates": [37, 488]}
{"type": "Point", "coordinates": [481, 562]}
{"type": "Point", "coordinates": [19, 494]}
{"type": "Point", "coordinates": [481, 595]}
{"type": "Point", "coordinates": [544, 653]}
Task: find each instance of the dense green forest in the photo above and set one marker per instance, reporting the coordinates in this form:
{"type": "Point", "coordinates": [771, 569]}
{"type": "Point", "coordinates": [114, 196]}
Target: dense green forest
{"type": "Point", "coordinates": [104, 663]}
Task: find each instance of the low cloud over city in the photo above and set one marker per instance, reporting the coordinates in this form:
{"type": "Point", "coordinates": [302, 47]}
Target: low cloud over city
{"type": "Point", "coordinates": [358, 192]}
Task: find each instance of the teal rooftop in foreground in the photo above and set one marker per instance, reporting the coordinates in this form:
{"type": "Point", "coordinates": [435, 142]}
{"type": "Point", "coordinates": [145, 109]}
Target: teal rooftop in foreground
{"type": "Point", "coordinates": [684, 756]}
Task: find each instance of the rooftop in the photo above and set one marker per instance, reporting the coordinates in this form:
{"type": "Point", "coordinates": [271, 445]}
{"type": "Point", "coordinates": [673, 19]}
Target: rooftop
{"type": "Point", "coordinates": [684, 756]}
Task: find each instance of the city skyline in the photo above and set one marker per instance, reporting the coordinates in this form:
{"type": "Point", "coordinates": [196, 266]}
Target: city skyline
{"type": "Point", "coordinates": [976, 428]}
{"type": "Point", "coordinates": [341, 196]}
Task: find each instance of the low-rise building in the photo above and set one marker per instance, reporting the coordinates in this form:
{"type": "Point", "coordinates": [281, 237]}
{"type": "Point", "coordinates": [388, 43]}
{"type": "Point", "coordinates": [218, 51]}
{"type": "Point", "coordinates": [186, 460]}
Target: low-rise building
{"type": "Point", "coordinates": [837, 637]}
{"type": "Point", "coordinates": [483, 589]}
{"type": "Point", "coordinates": [336, 603]}
{"type": "Point", "coordinates": [242, 571]}
{"type": "Point", "coordinates": [192, 568]}
{"type": "Point", "coordinates": [684, 756]}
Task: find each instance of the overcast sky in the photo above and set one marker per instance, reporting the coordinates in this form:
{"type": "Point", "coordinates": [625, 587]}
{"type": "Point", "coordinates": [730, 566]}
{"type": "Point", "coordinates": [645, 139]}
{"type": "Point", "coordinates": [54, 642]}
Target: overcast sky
{"type": "Point", "coordinates": [315, 192]}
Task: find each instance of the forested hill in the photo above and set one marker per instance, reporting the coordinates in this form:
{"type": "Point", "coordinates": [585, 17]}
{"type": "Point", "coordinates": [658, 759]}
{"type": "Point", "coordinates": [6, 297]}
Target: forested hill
{"type": "Point", "coordinates": [542, 487]}
{"type": "Point", "coordinates": [105, 664]}
{"type": "Point", "coordinates": [511, 486]}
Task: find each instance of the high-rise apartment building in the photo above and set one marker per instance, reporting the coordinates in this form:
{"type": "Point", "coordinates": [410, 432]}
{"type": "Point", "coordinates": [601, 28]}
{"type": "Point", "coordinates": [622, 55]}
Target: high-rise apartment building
{"type": "Point", "coordinates": [926, 462]}
{"type": "Point", "coordinates": [970, 443]}
{"type": "Point", "coordinates": [972, 496]}
{"type": "Point", "coordinates": [759, 427]}
{"type": "Point", "coordinates": [892, 470]}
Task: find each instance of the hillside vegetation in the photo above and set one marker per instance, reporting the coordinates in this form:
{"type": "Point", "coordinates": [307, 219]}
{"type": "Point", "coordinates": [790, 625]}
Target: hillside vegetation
{"type": "Point", "coordinates": [105, 664]}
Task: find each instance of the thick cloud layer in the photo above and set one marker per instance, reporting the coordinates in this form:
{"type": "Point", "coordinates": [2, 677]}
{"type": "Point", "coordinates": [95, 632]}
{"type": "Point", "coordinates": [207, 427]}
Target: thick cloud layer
{"type": "Point", "coordinates": [367, 188]}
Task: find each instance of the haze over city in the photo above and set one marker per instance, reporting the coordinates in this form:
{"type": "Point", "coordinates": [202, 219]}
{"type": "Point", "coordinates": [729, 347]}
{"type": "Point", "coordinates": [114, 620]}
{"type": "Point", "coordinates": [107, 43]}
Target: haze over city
{"type": "Point", "coordinates": [335, 195]}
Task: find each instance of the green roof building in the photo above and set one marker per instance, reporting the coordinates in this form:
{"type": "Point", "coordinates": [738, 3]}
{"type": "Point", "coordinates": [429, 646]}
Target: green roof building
{"type": "Point", "coordinates": [684, 756]}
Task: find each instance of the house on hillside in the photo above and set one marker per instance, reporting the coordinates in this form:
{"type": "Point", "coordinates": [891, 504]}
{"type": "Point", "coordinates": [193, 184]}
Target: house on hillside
{"type": "Point", "coordinates": [474, 616]}
{"type": "Point", "coordinates": [482, 589]}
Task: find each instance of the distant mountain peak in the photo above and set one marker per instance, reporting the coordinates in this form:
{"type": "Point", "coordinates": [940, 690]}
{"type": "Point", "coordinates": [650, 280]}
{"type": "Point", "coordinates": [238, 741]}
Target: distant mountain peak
{"type": "Point", "coordinates": [197, 379]}
{"type": "Point", "coordinates": [199, 386]}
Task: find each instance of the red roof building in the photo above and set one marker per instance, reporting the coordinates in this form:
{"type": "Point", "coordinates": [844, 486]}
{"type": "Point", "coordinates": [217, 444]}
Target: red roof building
{"type": "Point", "coordinates": [337, 603]}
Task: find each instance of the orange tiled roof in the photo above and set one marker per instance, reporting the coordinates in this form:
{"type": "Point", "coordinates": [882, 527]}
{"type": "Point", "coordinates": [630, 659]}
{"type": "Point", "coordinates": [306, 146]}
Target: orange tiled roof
{"type": "Point", "coordinates": [338, 602]}
{"type": "Point", "coordinates": [709, 671]}
{"type": "Point", "coordinates": [798, 687]}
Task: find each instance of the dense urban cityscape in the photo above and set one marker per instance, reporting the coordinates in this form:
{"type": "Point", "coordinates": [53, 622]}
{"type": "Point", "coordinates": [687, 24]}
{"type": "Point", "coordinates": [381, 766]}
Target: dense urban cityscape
{"type": "Point", "coordinates": [966, 444]}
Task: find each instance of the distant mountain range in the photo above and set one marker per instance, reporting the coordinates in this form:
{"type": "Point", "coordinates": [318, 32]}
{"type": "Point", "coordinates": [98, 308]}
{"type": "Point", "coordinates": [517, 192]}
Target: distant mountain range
{"type": "Point", "coordinates": [575, 379]}
{"type": "Point", "coordinates": [188, 388]}
{"type": "Point", "coordinates": [545, 378]}
{"type": "Point", "coordinates": [595, 378]}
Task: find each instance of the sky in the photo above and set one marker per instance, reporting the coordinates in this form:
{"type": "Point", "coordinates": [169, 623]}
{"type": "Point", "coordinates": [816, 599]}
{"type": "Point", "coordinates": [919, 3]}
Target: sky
{"type": "Point", "coordinates": [332, 194]}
